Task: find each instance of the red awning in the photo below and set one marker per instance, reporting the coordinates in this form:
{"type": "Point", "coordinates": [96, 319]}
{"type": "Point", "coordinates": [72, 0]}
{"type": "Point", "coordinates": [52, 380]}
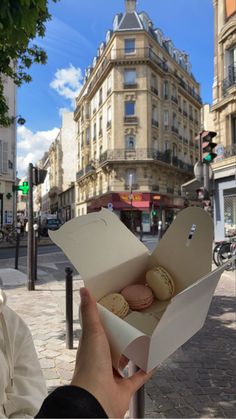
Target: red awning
{"type": "Point", "coordinates": [142, 205]}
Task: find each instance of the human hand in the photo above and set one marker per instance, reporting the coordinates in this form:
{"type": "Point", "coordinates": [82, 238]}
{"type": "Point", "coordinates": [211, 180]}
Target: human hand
{"type": "Point", "coordinates": [93, 369]}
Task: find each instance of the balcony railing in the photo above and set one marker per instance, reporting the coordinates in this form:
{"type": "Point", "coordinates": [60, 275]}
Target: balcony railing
{"type": "Point", "coordinates": [174, 99]}
{"type": "Point", "coordinates": [130, 120]}
{"type": "Point", "coordinates": [189, 89]}
{"type": "Point", "coordinates": [121, 54]}
{"type": "Point", "coordinates": [90, 168]}
{"type": "Point", "coordinates": [145, 154]}
{"type": "Point", "coordinates": [155, 123]}
{"type": "Point", "coordinates": [130, 85]}
{"type": "Point", "coordinates": [230, 80]}
{"type": "Point", "coordinates": [175, 130]}
{"type": "Point", "coordinates": [154, 90]}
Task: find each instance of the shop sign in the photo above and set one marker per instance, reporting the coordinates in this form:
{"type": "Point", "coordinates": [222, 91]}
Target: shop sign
{"type": "Point", "coordinates": [135, 197]}
{"type": "Point", "coordinates": [8, 217]}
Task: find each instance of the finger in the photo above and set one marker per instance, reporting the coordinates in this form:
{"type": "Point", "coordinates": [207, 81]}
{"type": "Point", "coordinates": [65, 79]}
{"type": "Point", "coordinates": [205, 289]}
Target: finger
{"type": "Point", "coordinates": [139, 379]}
{"type": "Point", "coordinates": [90, 316]}
{"type": "Point", "coordinates": [123, 362]}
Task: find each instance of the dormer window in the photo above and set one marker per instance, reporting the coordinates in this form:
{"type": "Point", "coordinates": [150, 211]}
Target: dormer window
{"type": "Point", "coordinates": [129, 46]}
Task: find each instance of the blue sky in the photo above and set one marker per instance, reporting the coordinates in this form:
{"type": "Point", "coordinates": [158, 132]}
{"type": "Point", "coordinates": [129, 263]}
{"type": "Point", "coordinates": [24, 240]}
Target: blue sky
{"type": "Point", "coordinates": [73, 35]}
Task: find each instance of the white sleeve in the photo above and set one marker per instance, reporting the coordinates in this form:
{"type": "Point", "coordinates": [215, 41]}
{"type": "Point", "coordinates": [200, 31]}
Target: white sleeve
{"type": "Point", "coordinates": [28, 390]}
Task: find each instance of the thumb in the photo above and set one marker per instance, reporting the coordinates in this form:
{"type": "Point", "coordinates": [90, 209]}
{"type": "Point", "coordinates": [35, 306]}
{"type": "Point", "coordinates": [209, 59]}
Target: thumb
{"type": "Point", "coordinates": [89, 312]}
{"type": "Point", "coordinates": [139, 379]}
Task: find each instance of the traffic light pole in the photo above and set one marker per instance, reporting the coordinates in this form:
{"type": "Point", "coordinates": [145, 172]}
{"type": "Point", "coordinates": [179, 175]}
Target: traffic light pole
{"type": "Point", "coordinates": [30, 251]}
{"type": "Point", "coordinates": [206, 181]}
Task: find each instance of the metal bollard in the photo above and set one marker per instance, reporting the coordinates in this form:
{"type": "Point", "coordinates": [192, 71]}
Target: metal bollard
{"type": "Point", "coordinates": [35, 250]}
{"type": "Point", "coordinates": [69, 308]}
{"type": "Point", "coordinates": [137, 403]}
{"type": "Point", "coordinates": [18, 228]}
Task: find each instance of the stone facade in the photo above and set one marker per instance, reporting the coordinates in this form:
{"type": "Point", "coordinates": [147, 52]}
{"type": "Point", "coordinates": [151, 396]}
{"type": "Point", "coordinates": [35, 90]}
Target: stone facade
{"type": "Point", "coordinates": [8, 158]}
{"type": "Point", "coordinates": [137, 116]}
{"type": "Point", "coordinates": [224, 116]}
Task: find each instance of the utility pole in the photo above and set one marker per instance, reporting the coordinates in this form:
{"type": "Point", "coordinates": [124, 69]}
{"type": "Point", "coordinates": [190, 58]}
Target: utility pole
{"type": "Point", "coordinates": [30, 252]}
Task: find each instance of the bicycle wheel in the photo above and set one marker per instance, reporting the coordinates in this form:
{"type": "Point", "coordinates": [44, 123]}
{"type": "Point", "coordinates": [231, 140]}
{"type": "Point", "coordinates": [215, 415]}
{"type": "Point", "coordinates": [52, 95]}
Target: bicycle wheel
{"type": "Point", "coordinates": [215, 253]}
{"type": "Point", "coordinates": [224, 254]}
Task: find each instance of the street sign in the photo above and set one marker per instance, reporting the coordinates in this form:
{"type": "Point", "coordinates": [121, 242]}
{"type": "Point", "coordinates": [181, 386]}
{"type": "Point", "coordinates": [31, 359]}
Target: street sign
{"type": "Point", "coordinates": [110, 206]}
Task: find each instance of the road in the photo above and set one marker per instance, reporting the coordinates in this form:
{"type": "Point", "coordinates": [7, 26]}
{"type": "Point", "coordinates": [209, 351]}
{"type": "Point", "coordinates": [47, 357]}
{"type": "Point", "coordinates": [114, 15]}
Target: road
{"type": "Point", "coordinates": [9, 252]}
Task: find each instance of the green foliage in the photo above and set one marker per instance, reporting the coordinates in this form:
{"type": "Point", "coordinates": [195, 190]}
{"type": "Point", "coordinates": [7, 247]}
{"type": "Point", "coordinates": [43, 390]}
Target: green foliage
{"type": "Point", "coordinates": [20, 22]}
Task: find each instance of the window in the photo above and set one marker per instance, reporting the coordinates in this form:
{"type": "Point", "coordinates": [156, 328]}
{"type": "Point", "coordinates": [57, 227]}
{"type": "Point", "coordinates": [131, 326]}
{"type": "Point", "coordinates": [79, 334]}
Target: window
{"type": "Point", "coordinates": [154, 86]}
{"type": "Point", "coordinates": [94, 131]}
{"type": "Point", "coordinates": [109, 116]}
{"type": "Point", "coordinates": [3, 157]}
{"type": "Point", "coordinates": [174, 92]}
{"type": "Point", "coordinates": [174, 120]}
{"type": "Point", "coordinates": [129, 108]}
{"type": "Point", "coordinates": [166, 89]}
{"type": "Point", "coordinates": [100, 96]}
{"type": "Point", "coordinates": [130, 177]}
{"type": "Point", "coordinates": [154, 115]}
{"type": "Point", "coordinates": [155, 143]}
{"type": "Point", "coordinates": [233, 121]}
{"type": "Point", "coordinates": [130, 142]}
{"type": "Point", "coordinates": [166, 118]}
{"type": "Point", "coordinates": [109, 113]}
{"type": "Point", "coordinates": [129, 46]}
{"type": "Point", "coordinates": [109, 84]}
{"type": "Point", "coordinates": [88, 135]}
{"type": "Point", "coordinates": [100, 125]}
{"type": "Point", "coordinates": [130, 77]}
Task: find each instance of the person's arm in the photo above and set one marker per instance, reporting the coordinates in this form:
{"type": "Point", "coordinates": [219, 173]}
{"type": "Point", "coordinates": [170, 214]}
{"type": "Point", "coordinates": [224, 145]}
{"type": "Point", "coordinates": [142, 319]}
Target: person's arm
{"type": "Point", "coordinates": [71, 402]}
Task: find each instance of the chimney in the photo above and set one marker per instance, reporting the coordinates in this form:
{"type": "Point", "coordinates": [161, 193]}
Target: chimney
{"type": "Point", "coordinates": [130, 6]}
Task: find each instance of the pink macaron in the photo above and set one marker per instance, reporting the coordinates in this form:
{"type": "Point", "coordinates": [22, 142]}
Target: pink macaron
{"type": "Point", "coordinates": [138, 296]}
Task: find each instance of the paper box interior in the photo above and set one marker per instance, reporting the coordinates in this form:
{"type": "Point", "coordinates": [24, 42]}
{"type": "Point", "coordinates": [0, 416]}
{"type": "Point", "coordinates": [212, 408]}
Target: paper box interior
{"type": "Point", "coordinates": [109, 257]}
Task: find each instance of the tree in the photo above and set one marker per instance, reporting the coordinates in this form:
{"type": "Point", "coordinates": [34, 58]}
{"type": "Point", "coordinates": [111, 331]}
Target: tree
{"type": "Point", "coordinates": [20, 22]}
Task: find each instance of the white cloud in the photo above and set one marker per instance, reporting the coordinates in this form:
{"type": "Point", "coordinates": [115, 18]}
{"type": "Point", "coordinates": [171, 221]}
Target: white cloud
{"type": "Point", "coordinates": [31, 146]}
{"type": "Point", "coordinates": [68, 82]}
{"type": "Point", "coordinates": [63, 110]}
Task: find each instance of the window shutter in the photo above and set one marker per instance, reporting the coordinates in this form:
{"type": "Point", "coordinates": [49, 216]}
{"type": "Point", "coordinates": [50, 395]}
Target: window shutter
{"type": "Point", "coordinates": [1, 157]}
{"type": "Point", "coordinates": [4, 157]}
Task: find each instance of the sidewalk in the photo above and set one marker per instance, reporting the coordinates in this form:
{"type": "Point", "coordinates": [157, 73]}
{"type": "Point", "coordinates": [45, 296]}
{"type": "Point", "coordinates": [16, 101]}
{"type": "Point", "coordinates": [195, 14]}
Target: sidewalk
{"type": "Point", "coordinates": [198, 380]}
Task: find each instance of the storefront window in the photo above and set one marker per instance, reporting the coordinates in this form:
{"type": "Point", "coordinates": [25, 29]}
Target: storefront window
{"type": "Point", "coordinates": [230, 213]}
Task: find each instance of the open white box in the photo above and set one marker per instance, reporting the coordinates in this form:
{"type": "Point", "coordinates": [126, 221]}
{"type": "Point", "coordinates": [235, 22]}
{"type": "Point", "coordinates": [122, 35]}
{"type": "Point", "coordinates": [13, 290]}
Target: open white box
{"type": "Point", "coordinates": [109, 257]}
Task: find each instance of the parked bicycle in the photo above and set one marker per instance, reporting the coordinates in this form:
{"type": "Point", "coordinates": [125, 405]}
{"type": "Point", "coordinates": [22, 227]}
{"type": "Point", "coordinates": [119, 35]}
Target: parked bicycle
{"type": "Point", "coordinates": [8, 233]}
{"type": "Point", "coordinates": [224, 251]}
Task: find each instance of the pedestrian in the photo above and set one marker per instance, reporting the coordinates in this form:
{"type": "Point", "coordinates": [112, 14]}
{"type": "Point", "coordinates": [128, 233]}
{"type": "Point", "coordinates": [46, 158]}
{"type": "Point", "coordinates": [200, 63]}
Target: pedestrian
{"type": "Point", "coordinates": [96, 390]}
{"type": "Point", "coordinates": [22, 386]}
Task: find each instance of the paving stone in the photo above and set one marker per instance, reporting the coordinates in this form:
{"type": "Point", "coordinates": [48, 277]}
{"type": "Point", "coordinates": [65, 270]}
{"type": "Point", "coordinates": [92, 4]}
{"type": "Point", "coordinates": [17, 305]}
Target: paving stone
{"type": "Point", "coordinates": [50, 373]}
{"type": "Point", "coordinates": [47, 363]}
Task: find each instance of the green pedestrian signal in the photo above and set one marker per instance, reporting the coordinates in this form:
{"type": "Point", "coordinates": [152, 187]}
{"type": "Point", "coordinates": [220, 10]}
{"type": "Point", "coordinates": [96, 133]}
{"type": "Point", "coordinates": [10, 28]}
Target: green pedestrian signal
{"type": "Point", "coordinates": [154, 213]}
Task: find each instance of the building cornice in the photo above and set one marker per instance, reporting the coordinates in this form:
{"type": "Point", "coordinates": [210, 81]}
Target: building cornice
{"type": "Point", "coordinates": [227, 30]}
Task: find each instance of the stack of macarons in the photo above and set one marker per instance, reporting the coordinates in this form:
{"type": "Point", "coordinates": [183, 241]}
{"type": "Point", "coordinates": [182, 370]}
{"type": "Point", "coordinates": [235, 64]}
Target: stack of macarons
{"type": "Point", "coordinates": [139, 296]}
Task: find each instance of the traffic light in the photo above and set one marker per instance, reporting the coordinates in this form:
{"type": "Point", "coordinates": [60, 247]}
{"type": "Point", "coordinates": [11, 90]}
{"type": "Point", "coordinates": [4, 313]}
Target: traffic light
{"type": "Point", "coordinates": [39, 175]}
{"type": "Point", "coordinates": [208, 146]}
{"type": "Point", "coordinates": [154, 213]}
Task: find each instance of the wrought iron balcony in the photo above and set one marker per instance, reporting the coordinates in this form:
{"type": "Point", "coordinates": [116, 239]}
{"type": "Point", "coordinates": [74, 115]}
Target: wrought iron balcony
{"type": "Point", "coordinates": [175, 129]}
{"type": "Point", "coordinates": [155, 123]}
{"type": "Point", "coordinates": [90, 168]}
{"type": "Point", "coordinates": [230, 80]}
{"type": "Point", "coordinates": [130, 120]}
{"type": "Point", "coordinates": [144, 154]}
{"type": "Point", "coordinates": [154, 90]}
{"type": "Point", "coordinates": [130, 86]}
{"type": "Point", "coordinates": [174, 99]}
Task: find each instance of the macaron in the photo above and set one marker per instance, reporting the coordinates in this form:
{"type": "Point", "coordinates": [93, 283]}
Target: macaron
{"type": "Point", "coordinates": [161, 283]}
{"type": "Point", "coordinates": [138, 296]}
{"type": "Point", "coordinates": [115, 303]}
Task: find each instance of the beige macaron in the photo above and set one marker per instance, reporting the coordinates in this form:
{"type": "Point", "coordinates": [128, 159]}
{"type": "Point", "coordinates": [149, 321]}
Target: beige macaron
{"type": "Point", "coordinates": [161, 283]}
{"type": "Point", "coordinates": [115, 303]}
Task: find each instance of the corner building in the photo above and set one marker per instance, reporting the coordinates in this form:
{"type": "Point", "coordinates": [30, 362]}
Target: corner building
{"type": "Point", "coordinates": [224, 116]}
{"type": "Point", "coordinates": [137, 116]}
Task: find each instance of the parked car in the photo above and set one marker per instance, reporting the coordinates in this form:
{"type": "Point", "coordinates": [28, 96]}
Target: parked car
{"type": "Point", "coordinates": [49, 224]}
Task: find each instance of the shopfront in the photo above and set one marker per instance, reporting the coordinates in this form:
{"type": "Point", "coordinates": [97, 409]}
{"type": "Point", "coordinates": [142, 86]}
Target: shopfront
{"type": "Point", "coordinates": [139, 210]}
